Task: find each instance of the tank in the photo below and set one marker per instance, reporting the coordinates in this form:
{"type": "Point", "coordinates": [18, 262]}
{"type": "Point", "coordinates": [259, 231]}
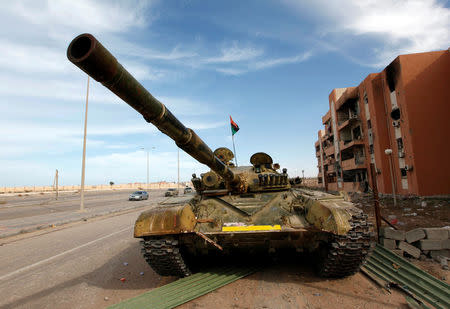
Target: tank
{"type": "Point", "coordinates": [252, 208]}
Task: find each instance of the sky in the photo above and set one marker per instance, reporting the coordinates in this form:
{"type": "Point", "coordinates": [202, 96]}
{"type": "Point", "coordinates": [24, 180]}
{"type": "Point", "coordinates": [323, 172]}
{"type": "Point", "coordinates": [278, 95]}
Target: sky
{"type": "Point", "coordinates": [269, 64]}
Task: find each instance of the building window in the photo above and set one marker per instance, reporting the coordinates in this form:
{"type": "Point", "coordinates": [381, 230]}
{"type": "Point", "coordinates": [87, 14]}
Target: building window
{"type": "Point", "coordinates": [369, 124]}
{"type": "Point", "coordinates": [400, 143]}
{"type": "Point", "coordinates": [371, 149]}
{"type": "Point", "coordinates": [403, 172]}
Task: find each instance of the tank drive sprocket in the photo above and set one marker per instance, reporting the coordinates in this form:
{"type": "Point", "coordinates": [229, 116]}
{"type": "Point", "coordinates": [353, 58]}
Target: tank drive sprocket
{"type": "Point", "coordinates": [343, 254]}
{"type": "Point", "coordinates": [164, 256]}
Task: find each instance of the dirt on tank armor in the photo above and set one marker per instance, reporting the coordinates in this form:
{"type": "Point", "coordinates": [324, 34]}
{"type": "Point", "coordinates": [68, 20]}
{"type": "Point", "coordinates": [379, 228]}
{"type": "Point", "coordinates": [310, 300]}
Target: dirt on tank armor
{"type": "Point", "coordinates": [235, 208]}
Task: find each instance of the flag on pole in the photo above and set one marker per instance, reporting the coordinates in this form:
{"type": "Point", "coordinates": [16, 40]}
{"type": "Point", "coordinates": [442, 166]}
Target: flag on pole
{"type": "Point", "coordinates": [234, 127]}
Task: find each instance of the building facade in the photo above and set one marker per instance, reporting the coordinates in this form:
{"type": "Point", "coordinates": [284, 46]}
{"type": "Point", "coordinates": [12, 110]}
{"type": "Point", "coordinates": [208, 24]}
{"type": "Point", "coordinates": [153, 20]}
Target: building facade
{"type": "Point", "coordinates": [397, 119]}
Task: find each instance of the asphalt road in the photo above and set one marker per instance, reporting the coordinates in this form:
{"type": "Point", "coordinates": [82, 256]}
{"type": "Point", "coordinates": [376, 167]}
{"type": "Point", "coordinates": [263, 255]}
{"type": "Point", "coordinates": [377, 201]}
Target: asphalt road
{"type": "Point", "coordinates": [75, 267]}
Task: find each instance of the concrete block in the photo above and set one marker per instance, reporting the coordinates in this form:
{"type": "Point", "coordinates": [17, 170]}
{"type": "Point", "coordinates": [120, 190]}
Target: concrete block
{"type": "Point", "coordinates": [414, 235]}
{"type": "Point", "coordinates": [410, 249]}
{"type": "Point", "coordinates": [398, 252]}
{"type": "Point", "coordinates": [436, 233]}
{"type": "Point", "coordinates": [435, 253]}
{"type": "Point", "coordinates": [389, 243]}
{"type": "Point", "coordinates": [446, 244]}
{"type": "Point", "coordinates": [390, 233]}
{"type": "Point", "coordinates": [430, 244]}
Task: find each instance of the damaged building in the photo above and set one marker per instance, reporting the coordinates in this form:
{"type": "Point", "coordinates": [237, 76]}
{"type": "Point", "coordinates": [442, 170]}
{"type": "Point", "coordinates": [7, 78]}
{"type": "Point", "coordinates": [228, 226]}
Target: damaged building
{"type": "Point", "coordinates": [399, 120]}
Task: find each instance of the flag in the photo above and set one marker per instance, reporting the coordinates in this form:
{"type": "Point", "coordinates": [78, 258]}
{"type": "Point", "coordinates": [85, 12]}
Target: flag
{"type": "Point", "coordinates": [234, 127]}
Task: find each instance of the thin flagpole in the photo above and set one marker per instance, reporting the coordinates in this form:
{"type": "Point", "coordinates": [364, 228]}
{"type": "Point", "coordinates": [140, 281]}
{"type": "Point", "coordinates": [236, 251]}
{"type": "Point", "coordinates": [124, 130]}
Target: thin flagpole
{"type": "Point", "coordinates": [234, 149]}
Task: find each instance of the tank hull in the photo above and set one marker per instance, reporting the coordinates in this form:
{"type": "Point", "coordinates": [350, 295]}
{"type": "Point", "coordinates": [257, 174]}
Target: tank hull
{"type": "Point", "coordinates": [298, 219]}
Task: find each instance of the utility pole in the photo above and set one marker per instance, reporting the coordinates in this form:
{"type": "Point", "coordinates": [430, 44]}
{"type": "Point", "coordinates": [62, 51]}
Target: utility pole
{"type": "Point", "coordinates": [148, 164]}
{"type": "Point", "coordinates": [56, 183]}
{"type": "Point", "coordinates": [83, 164]}
{"type": "Point", "coordinates": [147, 170]}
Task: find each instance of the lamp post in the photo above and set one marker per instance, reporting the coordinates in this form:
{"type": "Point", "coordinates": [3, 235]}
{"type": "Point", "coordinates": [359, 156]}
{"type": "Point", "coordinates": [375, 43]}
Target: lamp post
{"type": "Point", "coordinates": [83, 164]}
{"type": "Point", "coordinates": [147, 165]}
{"type": "Point", "coordinates": [388, 152]}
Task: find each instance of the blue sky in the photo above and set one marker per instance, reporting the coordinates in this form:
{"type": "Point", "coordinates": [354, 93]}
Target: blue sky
{"type": "Point", "coordinates": [270, 64]}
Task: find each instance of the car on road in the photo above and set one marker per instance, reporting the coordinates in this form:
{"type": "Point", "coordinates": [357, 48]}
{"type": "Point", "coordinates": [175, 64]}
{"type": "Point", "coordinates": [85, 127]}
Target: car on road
{"type": "Point", "coordinates": [187, 190]}
{"type": "Point", "coordinates": [171, 192]}
{"type": "Point", "coordinates": [138, 196]}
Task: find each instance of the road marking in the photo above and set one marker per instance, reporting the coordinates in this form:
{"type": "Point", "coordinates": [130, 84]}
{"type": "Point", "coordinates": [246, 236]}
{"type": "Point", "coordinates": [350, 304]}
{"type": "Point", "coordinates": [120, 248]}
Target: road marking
{"type": "Point", "coordinates": [60, 254]}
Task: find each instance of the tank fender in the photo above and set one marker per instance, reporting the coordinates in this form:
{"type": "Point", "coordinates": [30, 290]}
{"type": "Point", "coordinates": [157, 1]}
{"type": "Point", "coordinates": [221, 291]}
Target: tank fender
{"type": "Point", "coordinates": [330, 215]}
{"type": "Point", "coordinates": [165, 220]}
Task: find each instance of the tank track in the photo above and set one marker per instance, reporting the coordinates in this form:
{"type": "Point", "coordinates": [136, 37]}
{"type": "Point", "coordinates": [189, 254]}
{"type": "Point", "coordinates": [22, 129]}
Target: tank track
{"type": "Point", "coordinates": [164, 257]}
{"type": "Point", "coordinates": [344, 254]}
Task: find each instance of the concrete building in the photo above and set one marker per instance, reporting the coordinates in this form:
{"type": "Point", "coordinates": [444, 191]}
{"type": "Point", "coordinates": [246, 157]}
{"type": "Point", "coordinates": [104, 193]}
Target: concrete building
{"type": "Point", "coordinates": [404, 108]}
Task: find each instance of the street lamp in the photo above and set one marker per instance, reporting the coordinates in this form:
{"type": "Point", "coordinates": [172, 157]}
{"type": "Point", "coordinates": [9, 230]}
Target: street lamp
{"type": "Point", "coordinates": [83, 164]}
{"type": "Point", "coordinates": [147, 165]}
{"type": "Point", "coordinates": [388, 152]}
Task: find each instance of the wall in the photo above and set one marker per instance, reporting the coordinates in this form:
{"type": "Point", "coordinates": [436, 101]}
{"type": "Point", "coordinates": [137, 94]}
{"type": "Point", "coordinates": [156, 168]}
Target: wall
{"type": "Point", "coordinates": [137, 186]}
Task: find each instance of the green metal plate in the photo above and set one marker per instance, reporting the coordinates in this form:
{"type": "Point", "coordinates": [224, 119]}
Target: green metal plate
{"type": "Point", "coordinates": [185, 289]}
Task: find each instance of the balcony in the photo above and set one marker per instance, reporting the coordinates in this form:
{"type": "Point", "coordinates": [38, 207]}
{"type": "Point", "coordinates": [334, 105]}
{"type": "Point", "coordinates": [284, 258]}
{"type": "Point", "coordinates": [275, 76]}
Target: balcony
{"type": "Point", "coordinates": [353, 118]}
{"type": "Point", "coordinates": [353, 164]}
{"type": "Point", "coordinates": [350, 94]}
{"type": "Point", "coordinates": [329, 161]}
{"type": "Point", "coordinates": [326, 118]}
{"type": "Point", "coordinates": [347, 145]}
{"type": "Point", "coordinates": [331, 169]}
{"type": "Point", "coordinates": [329, 150]}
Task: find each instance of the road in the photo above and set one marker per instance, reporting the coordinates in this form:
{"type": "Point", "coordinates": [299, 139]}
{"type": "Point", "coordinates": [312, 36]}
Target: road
{"type": "Point", "coordinates": [28, 212]}
{"type": "Point", "coordinates": [80, 266]}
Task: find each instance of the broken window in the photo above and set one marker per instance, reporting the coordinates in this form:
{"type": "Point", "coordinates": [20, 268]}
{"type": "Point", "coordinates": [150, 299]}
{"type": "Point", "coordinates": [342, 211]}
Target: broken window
{"type": "Point", "coordinates": [395, 113]}
{"type": "Point", "coordinates": [392, 72]}
{"type": "Point", "coordinates": [357, 132]}
{"type": "Point", "coordinates": [400, 144]}
{"type": "Point", "coordinates": [403, 172]}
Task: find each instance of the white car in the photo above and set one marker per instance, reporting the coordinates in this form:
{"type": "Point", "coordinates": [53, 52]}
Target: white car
{"type": "Point", "coordinates": [138, 196]}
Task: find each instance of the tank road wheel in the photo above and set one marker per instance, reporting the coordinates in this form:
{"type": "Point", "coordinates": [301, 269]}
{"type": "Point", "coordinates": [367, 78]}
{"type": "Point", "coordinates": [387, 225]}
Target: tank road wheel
{"type": "Point", "coordinates": [164, 257]}
{"type": "Point", "coordinates": [343, 255]}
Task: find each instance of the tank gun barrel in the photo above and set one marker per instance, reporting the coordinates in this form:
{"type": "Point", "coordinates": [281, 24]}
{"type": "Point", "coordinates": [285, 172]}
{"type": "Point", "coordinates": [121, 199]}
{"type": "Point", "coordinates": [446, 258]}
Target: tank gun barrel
{"type": "Point", "coordinates": [95, 60]}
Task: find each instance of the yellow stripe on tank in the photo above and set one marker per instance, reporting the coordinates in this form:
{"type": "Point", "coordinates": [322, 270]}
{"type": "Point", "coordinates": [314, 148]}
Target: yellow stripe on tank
{"type": "Point", "coordinates": [251, 228]}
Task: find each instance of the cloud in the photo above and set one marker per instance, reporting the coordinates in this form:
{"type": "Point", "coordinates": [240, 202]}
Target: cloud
{"type": "Point", "coordinates": [234, 53]}
{"type": "Point", "coordinates": [265, 64]}
{"type": "Point", "coordinates": [398, 27]}
{"type": "Point", "coordinates": [268, 63]}
{"type": "Point", "coordinates": [101, 16]}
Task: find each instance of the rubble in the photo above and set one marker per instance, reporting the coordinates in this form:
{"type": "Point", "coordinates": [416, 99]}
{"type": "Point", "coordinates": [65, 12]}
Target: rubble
{"type": "Point", "coordinates": [390, 233]}
{"type": "Point", "coordinates": [436, 233]}
{"type": "Point", "coordinates": [415, 235]}
{"type": "Point", "coordinates": [420, 243]}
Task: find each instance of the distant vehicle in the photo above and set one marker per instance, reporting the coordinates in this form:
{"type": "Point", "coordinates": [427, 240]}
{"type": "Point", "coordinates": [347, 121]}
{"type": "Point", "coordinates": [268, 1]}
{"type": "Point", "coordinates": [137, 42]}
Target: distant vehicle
{"type": "Point", "coordinates": [187, 190]}
{"type": "Point", "coordinates": [138, 196]}
{"type": "Point", "coordinates": [171, 192]}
